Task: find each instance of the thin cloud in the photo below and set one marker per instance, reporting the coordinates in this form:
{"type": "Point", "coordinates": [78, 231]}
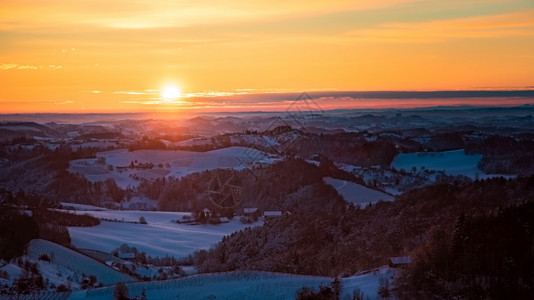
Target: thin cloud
{"type": "Point", "coordinates": [170, 13]}
{"type": "Point", "coordinates": [492, 26]}
{"type": "Point", "coordinates": [157, 101]}
{"type": "Point", "coordinates": [11, 66]}
{"type": "Point", "coordinates": [67, 50]}
{"type": "Point", "coordinates": [132, 93]}
{"type": "Point", "coordinates": [8, 66]}
{"type": "Point", "coordinates": [93, 92]}
{"type": "Point", "coordinates": [28, 67]}
{"type": "Point", "coordinates": [64, 102]}
{"type": "Point", "coordinates": [211, 94]}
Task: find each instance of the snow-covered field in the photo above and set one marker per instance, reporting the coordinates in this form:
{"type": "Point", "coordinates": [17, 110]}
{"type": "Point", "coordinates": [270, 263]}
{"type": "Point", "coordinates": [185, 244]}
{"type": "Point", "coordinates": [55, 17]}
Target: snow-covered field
{"type": "Point", "coordinates": [242, 285]}
{"type": "Point", "coordinates": [367, 283]}
{"type": "Point", "coordinates": [455, 162]}
{"type": "Point", "coordinates": [70, 268]}
{"type": "Point", "coordinates": [12, 271]}
{"type": "Point", "coordinates": [357, 193]}
{"type": "Point", "coordinates": [160, 237]}
{"type": "Point", "coordinates": [65, 262]}
{"type": "Point", "coordinates": [115, 163]}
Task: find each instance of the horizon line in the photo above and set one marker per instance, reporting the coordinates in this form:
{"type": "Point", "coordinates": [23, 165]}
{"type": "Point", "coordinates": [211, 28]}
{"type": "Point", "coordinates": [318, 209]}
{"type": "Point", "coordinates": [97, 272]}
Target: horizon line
{"type": "Point", "coordinates": [321, 100]}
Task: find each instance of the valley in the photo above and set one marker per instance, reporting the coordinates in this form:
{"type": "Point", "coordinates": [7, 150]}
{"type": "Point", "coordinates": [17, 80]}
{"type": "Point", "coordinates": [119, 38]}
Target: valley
{"type": "Point", "coordinates": [257, 201]}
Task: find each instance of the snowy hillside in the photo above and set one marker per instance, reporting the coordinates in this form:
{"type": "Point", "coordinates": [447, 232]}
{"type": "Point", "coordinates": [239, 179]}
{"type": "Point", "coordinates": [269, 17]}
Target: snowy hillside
{"type": "Point", "coordinates": [124, 166]}
{"type": "Point", "coordinates": [242, 285]}
{"type": "Point", "coordinates": [367, 282]}
{"type": "Point", "coordinates": [69, 261]}
{"type": "Point", "coordinates": [159, 237]}
{"type": "Point", "coordinates": [356, 193]}
{"type": "Point", "coordinates": [11, 272]}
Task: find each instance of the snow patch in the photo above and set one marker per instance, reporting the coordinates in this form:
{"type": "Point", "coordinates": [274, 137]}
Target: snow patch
{"type": "Point", "coordinates": [455, 162]}
{"type": "Point", "coordinates": [357, 193]}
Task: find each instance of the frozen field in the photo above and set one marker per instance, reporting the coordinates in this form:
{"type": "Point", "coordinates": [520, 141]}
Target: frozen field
{"type": "Point", "coordinates": [454, 162]}
{"type": "Point", "coordinates": [357, 193]}
{"type": "Point", "coordinates": [242, 285]}
{"type": "Point", "coordinates": [160, 237]}
{"type": "Point", "coordinates": [115, 164]}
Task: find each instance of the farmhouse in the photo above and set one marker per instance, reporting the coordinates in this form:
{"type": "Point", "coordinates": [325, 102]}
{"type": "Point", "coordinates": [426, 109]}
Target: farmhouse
{"type": "Point", "coordinates": [206, 212]}
{"type": "Point", "coordinates": [250, 215]}
{"type": "Point", "coordinates": [126, 252]}
{"type": "Point", "coordinates": [400, 261]}
{"type": "Point", "coordinates": [126, 255]}
{"type": "Point", "coordinates": [272, 214]}
{"type": "Point", "coordinates": [252, 212]}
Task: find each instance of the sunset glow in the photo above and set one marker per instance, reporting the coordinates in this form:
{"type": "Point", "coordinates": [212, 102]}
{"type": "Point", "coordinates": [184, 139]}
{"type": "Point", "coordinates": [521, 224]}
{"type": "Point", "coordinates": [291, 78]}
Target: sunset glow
{"type": "Point", "coordinates": [170, 93]}
{"type": "Point", "coordinates": [101, 56]}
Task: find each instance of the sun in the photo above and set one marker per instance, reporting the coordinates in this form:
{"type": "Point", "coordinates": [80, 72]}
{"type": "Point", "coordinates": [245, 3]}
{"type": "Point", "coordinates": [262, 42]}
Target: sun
{"type": "Point", "coordinates": [170, 93]}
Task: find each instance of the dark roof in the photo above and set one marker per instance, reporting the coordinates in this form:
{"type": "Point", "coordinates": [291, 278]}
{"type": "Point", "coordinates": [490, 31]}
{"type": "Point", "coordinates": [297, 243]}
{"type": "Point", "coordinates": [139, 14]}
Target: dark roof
{"type": "Point", "coordinates": [401, 260]}
{"type": "Point", "coordinates": [274, 213]}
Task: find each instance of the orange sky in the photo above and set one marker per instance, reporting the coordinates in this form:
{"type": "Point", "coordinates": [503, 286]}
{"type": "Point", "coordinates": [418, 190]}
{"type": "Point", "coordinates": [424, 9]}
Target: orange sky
{"type": "Point", "coordinates": [118, 56]}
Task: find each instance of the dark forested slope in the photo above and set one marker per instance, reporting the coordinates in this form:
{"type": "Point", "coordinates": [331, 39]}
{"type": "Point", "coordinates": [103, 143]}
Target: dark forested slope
{"type": "Point", "coordinates": [335, 242]}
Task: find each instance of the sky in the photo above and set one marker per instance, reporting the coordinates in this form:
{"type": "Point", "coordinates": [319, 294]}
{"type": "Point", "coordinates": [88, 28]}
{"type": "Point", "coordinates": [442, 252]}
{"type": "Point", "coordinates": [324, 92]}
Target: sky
{"type": "Point", "coordinates": [146, 55]}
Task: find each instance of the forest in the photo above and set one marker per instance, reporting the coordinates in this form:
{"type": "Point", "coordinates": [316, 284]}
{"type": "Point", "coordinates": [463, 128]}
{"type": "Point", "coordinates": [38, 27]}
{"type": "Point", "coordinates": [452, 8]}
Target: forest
{"type": "Point", "coordinates": [486, 256]}
{"type": "Point", "coordinates": [432, 224]}
{"type": "Point", "coordinates": [286, 186]}
{"type": "Point", "coordinates": [17, 227]}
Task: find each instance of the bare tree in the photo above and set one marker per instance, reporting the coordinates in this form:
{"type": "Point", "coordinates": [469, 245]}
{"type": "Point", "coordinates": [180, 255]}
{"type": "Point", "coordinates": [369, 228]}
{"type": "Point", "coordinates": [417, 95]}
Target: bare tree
{"type": "Point", "coordinates": [120, 292]}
